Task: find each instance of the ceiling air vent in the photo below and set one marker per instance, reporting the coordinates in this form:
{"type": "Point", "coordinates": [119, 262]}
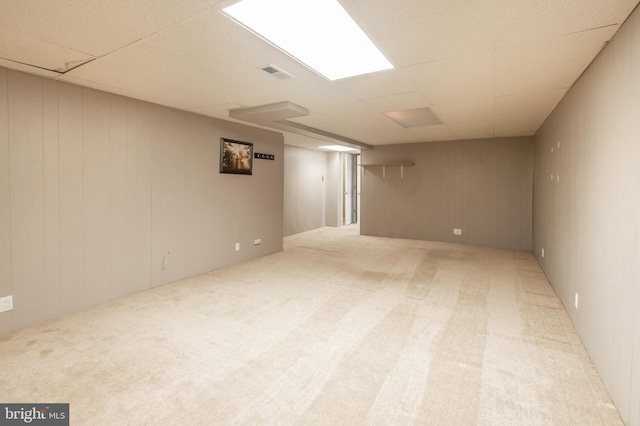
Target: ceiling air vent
{"type": "Point", "coordinates": [276, 72]}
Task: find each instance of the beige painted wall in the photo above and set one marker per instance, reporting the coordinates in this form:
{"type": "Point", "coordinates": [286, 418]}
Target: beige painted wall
{"type": "Point", "coordinates": [95, 188]}
{"type": "Point", "coordinates": [305, 176]}
{"type": "Point", "coordinates": [587, 212]}
{"type": "Point", "coordinates": [483, 187]}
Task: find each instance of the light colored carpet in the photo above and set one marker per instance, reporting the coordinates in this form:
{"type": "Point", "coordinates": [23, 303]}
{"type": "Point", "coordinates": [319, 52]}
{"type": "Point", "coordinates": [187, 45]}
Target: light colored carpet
{"type": "Point", "coordinates": [339, 329]}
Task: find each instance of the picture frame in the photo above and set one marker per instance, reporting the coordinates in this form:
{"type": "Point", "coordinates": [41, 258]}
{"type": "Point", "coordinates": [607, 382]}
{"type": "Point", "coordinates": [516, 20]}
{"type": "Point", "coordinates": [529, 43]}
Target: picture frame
{"type": "Point", "coordinates": [236, 157]}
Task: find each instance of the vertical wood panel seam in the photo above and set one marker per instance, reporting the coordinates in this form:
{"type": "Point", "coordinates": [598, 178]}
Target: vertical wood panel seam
{"type": "Point", "coordinates": [44, 201]}
{"type": "Point", "coordinates": [151, 172]}
{"type": "Point", "coordinates": [137, 188]}
{"type": "Point", "coordinates": [82, 216]}
{"type": "Point", "coordinates": [110, 130]}
{"type": "Point", "coordinates": [59, 198]}
{"type": "Point", "coordinates": [10, 254]}
{"type": "Point", "coordinates": [10, 211]}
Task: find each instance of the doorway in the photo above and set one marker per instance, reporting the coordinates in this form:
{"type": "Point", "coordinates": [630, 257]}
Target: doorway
{"type": "Point", "coordinates": [350, 184]}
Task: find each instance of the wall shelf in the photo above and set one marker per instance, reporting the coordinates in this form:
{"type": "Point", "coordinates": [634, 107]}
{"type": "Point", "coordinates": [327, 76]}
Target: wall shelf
{"type": "Point", "coordinates": [384, 166]}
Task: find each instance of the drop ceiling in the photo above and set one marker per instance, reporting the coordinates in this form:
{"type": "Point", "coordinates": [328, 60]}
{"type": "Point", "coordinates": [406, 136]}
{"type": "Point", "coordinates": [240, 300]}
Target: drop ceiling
{"type": "Point", "coordinates": [484, 68]}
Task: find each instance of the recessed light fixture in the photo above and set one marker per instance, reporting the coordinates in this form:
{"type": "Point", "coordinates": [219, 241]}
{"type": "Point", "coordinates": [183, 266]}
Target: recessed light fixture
{"type": "Point", "coordinates": [338, 148]}
{"type": "Point", "coordinates": [318, 33]}
{"type": "Point", "coordinates": [417, 117]}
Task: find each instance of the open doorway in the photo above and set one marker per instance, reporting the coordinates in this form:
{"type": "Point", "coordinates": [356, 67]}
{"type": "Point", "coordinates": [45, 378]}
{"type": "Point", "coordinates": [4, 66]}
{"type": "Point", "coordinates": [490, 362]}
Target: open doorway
{"type": "Point", "coordinates": [350, 185]}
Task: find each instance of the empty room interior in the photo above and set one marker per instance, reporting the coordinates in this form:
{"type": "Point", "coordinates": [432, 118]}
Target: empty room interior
{"type": "Point", "coordinates": [233, 212]}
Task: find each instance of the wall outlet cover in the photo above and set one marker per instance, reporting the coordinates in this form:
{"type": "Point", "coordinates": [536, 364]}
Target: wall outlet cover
{"type": "Point", "coordinates": [6, 303]}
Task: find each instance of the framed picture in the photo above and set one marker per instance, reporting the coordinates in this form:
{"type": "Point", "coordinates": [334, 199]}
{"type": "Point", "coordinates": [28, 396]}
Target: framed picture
{"type": "Point", "coordinates": [236, 157]}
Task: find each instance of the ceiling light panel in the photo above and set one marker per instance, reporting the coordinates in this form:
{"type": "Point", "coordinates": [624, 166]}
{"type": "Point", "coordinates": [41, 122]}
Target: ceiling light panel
{"type": "Point", "coordinates": [417, 117]}
{"type": "Point", "coordinates": [318, 33]}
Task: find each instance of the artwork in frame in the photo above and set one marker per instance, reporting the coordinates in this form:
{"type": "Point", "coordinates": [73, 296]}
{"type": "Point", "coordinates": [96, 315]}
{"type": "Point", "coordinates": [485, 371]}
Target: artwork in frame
{"type": "Point", "coordinates": [236, 157]}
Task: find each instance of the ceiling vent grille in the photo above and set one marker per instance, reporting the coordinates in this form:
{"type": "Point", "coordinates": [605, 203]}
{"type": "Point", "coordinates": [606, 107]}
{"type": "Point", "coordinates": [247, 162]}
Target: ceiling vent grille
{"type": "Point", "coordinates": [277, 72]}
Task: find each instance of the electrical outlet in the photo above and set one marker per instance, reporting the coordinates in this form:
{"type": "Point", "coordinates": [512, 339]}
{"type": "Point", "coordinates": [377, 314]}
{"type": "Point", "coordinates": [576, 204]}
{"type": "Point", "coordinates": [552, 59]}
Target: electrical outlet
{"type": "Point", "coordinates": [575, 302]}
{"type": "Point", "coordinates": [542, 251]}
{"type": "Point", "coordinates": [257, 242]}
{"type": "Point", "coordinates": [237, 246]}
{"type": "Point", "coordinates": [6, 303]}
{"type": "Point", "coordinates": [457, 231]}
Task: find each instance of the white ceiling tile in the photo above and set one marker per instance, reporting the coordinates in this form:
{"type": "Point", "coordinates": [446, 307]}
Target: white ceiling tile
{"type": "Point", "coordinates": [396, 102]}
{"type": "Point", "coordinates": [432, 133]}
{"type": "Point", "coordinates": [146, 67]}
{"type": "Point", "coordinates": [367, 128]}
{"type": "Point", "coordinates": [146, 17]}
{"type": "Point", "coordinates": [416, 31]}
{"type": "Point", "coordinates": [475, 131]}
{"type": "Point", "coordinates": [328, 100]}
{"type": "Point", "coordinates": [27, 68]}
{"type": "Point", "coordinates": [520, 123]}
{"type": "Point", "coordinates": [520, 21]}
{"type": "Point", "coordinates": [547, 64]}
{"type": "Point", "coordinates": [67, 23]}
{"type": "Point", "coordinates": [525, 113]}
{"type": "Point", "coordinates": [468, 120]}
{"type": "Point", "coordinates": [454, 79]}
{"type": "Point", "coordinates": [535, 103]}
{"type": "Point", "coordinates": [523, 126]}
{"type": "Point", "coordinates": [24, 49]}
{"type": "Point", "coordinates": [384, 83]}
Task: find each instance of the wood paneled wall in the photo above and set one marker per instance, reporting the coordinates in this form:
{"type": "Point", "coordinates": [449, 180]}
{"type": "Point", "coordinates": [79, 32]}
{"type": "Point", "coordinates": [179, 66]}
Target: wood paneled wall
{"type": "Point", "coordinates": [587, 211]}
{"type": "Point", "coordinates": [96, 188]}
{"type": "Point", "coordinates": [305, 177]}
{"type": "Point", "coordinates": [483, 187]}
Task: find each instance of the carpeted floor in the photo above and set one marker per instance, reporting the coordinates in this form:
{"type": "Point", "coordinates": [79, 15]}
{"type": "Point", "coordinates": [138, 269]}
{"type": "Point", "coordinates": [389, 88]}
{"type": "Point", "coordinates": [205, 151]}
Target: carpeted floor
{"type": "Point", "coordinates": [339, 329]}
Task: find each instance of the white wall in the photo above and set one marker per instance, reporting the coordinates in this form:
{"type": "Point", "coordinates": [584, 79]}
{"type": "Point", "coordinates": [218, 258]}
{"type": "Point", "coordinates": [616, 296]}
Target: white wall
{"type": "Point", "coordinates": [95, 188]}
{"type": "Point", "coordinates": [587, 211]}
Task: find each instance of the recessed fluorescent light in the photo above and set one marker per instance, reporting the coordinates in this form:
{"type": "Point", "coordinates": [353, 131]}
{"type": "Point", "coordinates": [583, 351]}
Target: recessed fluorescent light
{"type": "Point", "coordinates": [337, 148]}
{"type": "Point", "coordinates": [318, 33]}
